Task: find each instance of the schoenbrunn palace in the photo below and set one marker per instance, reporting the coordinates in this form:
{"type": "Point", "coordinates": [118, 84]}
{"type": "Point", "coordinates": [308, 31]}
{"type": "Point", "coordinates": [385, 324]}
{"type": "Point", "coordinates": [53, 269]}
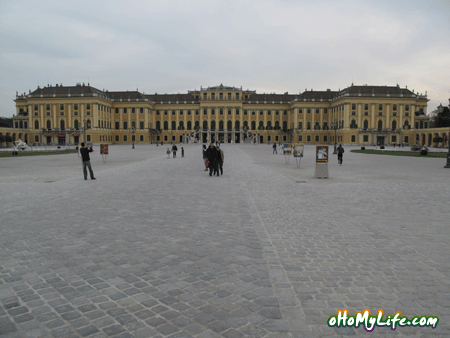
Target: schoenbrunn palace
{"type": "Point", "coordinates": [359, 115]}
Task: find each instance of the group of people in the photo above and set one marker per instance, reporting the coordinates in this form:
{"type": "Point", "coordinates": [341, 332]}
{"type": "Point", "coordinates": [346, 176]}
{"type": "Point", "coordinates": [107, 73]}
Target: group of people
{"type": "Point", "coordinates": [213, 158]}
{"type": "Point", "coordinates": [174, 151]}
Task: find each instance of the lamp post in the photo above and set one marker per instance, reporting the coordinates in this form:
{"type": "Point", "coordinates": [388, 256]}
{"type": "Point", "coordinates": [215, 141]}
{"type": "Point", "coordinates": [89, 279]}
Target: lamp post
{"type": "Point", "coordinates": [448, 153]}
{"type": "Point", "coordinates": [334, 125]}
{"type": "Point", "coordinates": [133, 130]}
{"type": "Point", "coordinates": [86, 126]}
{"type": "Point", "coordinates": [298, 131]}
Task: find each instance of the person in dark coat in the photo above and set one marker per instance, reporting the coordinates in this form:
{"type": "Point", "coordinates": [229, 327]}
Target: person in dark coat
{"type": "Point", "coordinates": [220, 160]}
{"type": "Point", "coordinates": [340, 153]}
{"type": "Point", "coordinates": [211, 154]}
{"type": "Point", "coordinates": [174, 150]}
{"type": "Point", "coordinates": [84, 151]}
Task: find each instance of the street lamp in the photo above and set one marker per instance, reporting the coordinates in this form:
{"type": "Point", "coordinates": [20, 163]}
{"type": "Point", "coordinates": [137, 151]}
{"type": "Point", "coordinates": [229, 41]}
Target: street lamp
{"type": "Point", "coordinates": [133, 130]}
{"type": "Point", "coordinates": [86, 126]}
{"type": "Point", "coordinates": [334, 125]}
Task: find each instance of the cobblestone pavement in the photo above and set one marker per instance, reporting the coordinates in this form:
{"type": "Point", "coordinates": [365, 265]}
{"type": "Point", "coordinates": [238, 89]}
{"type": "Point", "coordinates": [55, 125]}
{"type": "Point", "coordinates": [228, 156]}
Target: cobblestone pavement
{"type": "Point", "coordinates": [157, 248]}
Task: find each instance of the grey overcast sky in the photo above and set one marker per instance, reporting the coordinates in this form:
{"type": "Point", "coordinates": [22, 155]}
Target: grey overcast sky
{"type": "Point", "coordinates": [174, 46]}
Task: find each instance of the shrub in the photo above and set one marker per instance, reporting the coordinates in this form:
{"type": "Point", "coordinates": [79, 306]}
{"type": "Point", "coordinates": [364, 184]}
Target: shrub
{"type": "Point", "coordinates": [363, 148]}
{"type": "Point", "coordinates": [423, 152]}
{"type": "Point", "coordinates": [382, 147]}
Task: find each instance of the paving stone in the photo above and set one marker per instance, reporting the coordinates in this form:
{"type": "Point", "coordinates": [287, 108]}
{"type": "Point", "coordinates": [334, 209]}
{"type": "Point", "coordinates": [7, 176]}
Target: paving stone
{"type": "Point", "coordinates": [275, 247]}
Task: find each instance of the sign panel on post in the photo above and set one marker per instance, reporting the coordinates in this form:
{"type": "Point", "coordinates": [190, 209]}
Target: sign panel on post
{"type": "Point", "coordinates": [322, 154]}
{"type": "Point", "coordinates": [104, 151]}
{"type": "Point", "coordinates": [298, 153]}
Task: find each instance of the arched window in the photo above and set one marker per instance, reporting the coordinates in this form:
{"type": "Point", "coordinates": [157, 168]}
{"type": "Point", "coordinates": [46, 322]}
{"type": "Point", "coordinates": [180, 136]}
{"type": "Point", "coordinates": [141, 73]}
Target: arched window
{"type": "Point", "coordinates": [205, 124]}
{"type": "Point", "coordinates": [158, 125]}
{"type": "Point", "coordinates": [197, 125]}
{"type": "Point", "coordinates": [166, 125]}
{"type": "Point", "coordinates": [277, 125]}
{"type": "Point", "coordinates": [221, 125]}
{"type": "Point", "coordinates": [353, 124]}
{"type": "Point", "coordinates": [253, 125]}
{"type": "Point", "coordinates": [174, 125]}
{"type": "Point", "coordinates": [36, 124]}
{"type": "Point", "coordinates": [246, 124]}
{"type": "Point", "coordinates": [380, 124]}
{"type": "Point", "coordinates": [237, 125]}
{"type": "Point", "coordinates": [49, 124]}
{"type": "Point", "coordinates": [406, 125]}
{"type": "Point", "coordinates": [229, 125]}
{"type": "Point", "coordinates": [20, 124]}
{"type": "Point", "coordinates": [189, 125]}
{"type": "Point", "coordinates": [366, 124]}
{"type": "Point", "coordinates": [261, 125]}
{"type": "Point", "coordinates": [62, 125]}
{"type": "Point", "coordinates": [269, 125]}
{"type": "Point", "coordinates": [394, 125]}
{"type": "Point", "coordinates": [213, 125]}
{"type": "Point", "coordinates": [75, 124]}
{"type": "Point", "coordinates": [88, 123]}
{"type": "Point", "coordinates": [181, 125]}
{"type": "Point", "coordinates": [285, 125]}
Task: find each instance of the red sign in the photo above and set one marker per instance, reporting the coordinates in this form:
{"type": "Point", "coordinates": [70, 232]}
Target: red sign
{"type": "Point", "coordinates": [75, 134]}
{"type": "Point", "coordinates": [61, 135]}
{"type": "Point", "coordinates": [48, 135]}
{"type": "Point", "coordinates": [321, 154]}
{"type": "Point", "coordinates": [103, 149]}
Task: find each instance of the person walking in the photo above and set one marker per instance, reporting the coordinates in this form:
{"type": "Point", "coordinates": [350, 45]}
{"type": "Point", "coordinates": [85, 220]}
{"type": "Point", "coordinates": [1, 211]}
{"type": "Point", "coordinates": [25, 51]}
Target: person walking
{"type": "Point", "coordinates": [84, 151]}
{"type": "Point", "coordinates": [340, 151]}
{"type": "Point", "coordinates": [205, 157]}
{"type": "Point", "coordinates": [274, 148]}
{"type": "Point", "coordinates": [174, 150]}
{"type": "Point", "coordinates": [211, 154]}
{"type": "Point", "coordinates": [182, 152]}
{"type": "Point", "coordinates": [168, 152]}
{"type": "Point", "coordinates": [220, 160]}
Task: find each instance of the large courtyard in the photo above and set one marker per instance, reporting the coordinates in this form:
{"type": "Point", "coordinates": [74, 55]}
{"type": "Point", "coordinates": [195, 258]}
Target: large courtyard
{"type": "Point", "coordinates": [157, 248]}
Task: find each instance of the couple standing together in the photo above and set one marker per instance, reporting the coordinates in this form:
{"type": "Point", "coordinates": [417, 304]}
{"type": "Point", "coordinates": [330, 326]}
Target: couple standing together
{"type": "Point", "coordinates": [213, 158]}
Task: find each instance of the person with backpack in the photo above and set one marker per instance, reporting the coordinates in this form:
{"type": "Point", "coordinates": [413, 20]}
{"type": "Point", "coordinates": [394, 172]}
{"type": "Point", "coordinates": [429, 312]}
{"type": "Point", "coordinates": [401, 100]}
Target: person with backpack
{"type": "Point", "coordinates": [340, 151]}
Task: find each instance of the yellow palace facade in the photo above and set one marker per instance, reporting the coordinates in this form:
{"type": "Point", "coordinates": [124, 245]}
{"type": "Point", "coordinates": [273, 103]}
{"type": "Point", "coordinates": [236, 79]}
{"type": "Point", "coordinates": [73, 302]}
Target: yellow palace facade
{"type": "Point", "coordinates": [358, 115]}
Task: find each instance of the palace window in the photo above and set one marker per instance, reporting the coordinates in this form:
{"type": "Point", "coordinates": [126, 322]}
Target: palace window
{"type": "Point", "coordinates": [117, 138]}
{"type": "Point", "coordinates": [325, 138]}
{"type": "Point", "coordinates": [75, 106]}
{"type": "Point", "coordinates": [237, 96]}
{"type": "Point", "coordinates": [88, 138]}
{"type": "Point", "coordinates": [205, 96]}
{"type": "Point", "coordinates": [166, 125]}
{"type": "Point", "coordinates": [221, 96]}
{"type": "Point", "coordinates": [261, 112]}
{"type": "Point", "coordinates": [366, 138]}
{"type": "Point", "coordinates": [181, 111]}
{"type": "Point", "coordinates": [406, 139]}
{"type": "Point", "coordinates": [353, 106]}
{"type": "Point", "coordinates": [353, 112]}
{"type": "Point", "coordinates": [75, 113]}
{"type": "Point", "coordinates": [308, 138]}
{"type": "Point", "coordinates": [173, 111]}
{"type": "Point", "coordinates": [141, 138]}
{"type": "Point", "coordinates": [317, 138]}
{"type": "Point", "coordinates": [229, 96]}
{"type": "Point", "coordinates": [124, 110]}
{"type": "Point", "coordinates": [117, 125]}
{"type": "Point", "coordinates": [174, 125]}
{"type": "Point", "coordinates": [229, 111]}
{"type": "Point", "coordinates": [285, 112]}
{"type": "Point", "coordinates": [300, 110]}
{"type": "Point", "coordinates": [317, 110]}
{"type": "Point", "coordinates": [394, 107]}
{"type": "Point", "coordinates": [366, 124]}
{"type": "Point", "coordinates": [125, 138]}
{"type": "Point", "coordinates": [325, 110]}
{"type": "Point", "coordinates": [189, 125]}
{"type": "Point", "coordinates": [47, 107]}
{"type": "Point", "coordinates": [245, 111]}
{"type": "Point", "coordinates": [165, 111]}
{"type": "Point", "coordinates": [407, 107]}
{"type": "Point", "coordinates": [213, 96]}
{"type": "Point", "coordinates": [380, 106]}
{"type": "Point", "coordinates": [141, 125]}
{"type": "Point", "coordinates": [189, 112]}
{"type": "Point", "coordinates": [157, 112]}
{"type": "Point", "coordinates": [205, 111]}
{"type": "Point", "coordinates": [300, 125]}
{"type": "Point", "coordinates": [353, 138]}
{"type": "Point", "coordinates": [133, 138]}
{"type": "Point", "coordinates": [125, 125]}
{"type": "Point", "coordinates": [308, 125]}
{"type": "Point", "coordinates": [309, 110]}
{"type": "Point", "coordinates": [394, 138]}
{"type": "Point", "coordinates": [61, 113]}
{"type": "Point", "coordinates": [253, 112]}
{"type": "Point", "coordinates": [237, 111]}
{"type": "Point", "coordinates": [221, 111]}
{"type": "Point", "coordinates": [196, 112]}
{"type": "Point", "coordinates": [61, 106]}
{"type": "Point", "coordinates": [213, 111]}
